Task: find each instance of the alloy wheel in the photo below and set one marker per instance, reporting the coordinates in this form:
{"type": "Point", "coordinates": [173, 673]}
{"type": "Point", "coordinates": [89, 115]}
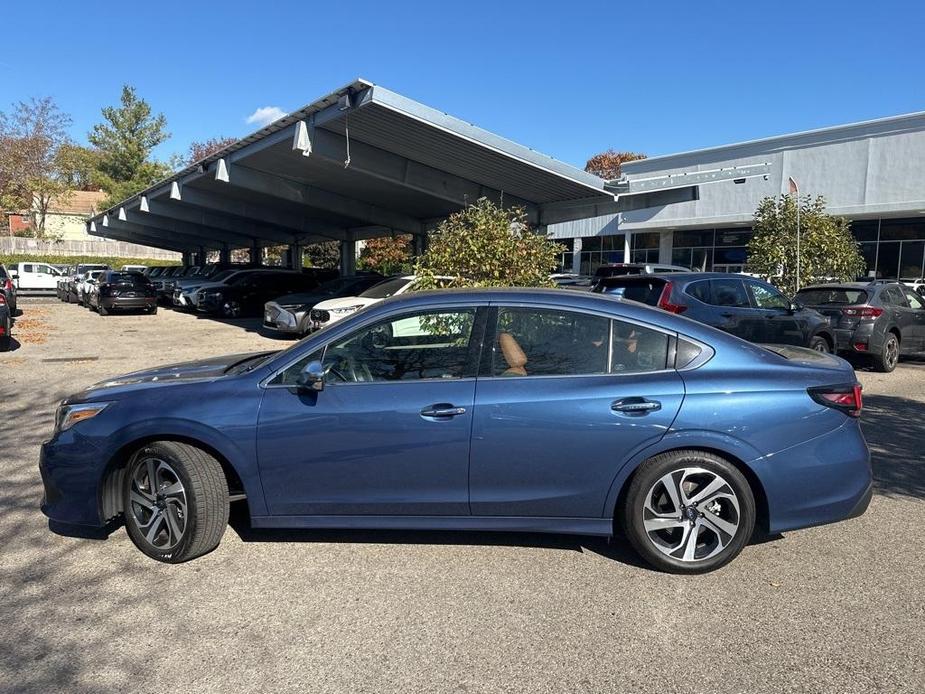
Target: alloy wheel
{"type": "Point", "coordinates": [691, 514]}
{"type": "Point", "coordinates": [891, 352]}
{"type": "Point", "coordinates": [158, 503]}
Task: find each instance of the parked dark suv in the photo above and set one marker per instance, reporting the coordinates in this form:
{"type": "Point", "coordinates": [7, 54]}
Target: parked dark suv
{"type": "Point", "coordinates": [881, 319]}
{"type": "Point", "coordinates": [115, 290]}
{"type": "Point", "coordinates": [743, 306]}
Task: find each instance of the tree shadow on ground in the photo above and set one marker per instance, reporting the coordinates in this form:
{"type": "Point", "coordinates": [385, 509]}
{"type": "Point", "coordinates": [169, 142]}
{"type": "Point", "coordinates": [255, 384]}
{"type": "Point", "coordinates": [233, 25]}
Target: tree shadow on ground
{"type": "Point", "coordinates": [895, 431]}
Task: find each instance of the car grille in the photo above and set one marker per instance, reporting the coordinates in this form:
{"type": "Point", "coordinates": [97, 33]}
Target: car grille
{"type": "Point", "coordinates": [320, 315]}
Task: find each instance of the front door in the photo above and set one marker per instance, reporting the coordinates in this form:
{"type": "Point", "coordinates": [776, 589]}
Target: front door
{"type": "Point", "coordinates": [564, 399]}
{"type": "Point", "coordinates": [780, 324]}
{"type": "Point", "coordinates": [388, 435]}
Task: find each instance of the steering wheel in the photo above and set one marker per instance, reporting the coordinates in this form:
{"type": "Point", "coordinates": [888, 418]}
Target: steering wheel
{"type": "Point", "coordinates": [346, 369]}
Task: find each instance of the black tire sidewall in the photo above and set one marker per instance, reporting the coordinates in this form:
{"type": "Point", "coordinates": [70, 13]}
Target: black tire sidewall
{"type": "Point", "coordinates": [180, 552]}
{"type": "Point", "coordinates": [882, 364]}
{"type": "Point", "coordinates": [817, 339]}
{"type": "Point", "coordinates": [647, 475]}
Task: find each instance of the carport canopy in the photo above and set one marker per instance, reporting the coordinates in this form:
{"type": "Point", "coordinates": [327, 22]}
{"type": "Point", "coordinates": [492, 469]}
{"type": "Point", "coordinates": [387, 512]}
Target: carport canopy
{"type": "Point", "coordinates": [359, 163]}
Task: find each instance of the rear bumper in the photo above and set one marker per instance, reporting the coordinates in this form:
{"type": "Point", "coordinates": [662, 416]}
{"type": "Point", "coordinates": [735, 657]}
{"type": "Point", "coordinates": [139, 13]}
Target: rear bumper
{"type": "Point", "coordinates": [824, 480]}
{"type": "Point", "coordinates": [127, 302]}
{"type": "Point", "coordinates": [847, 340]}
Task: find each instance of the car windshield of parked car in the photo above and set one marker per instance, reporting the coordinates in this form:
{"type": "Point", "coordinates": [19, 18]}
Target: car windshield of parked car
{"type": "Point", "coordinates": [387, 288]}
{"type": "Point", "coordinates": [831, 296]}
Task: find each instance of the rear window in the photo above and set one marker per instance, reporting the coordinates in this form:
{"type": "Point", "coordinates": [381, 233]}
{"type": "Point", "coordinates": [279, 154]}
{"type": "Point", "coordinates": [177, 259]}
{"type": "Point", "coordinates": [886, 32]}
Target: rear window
{"type": "Point", "coordinates": [385, 289]}
{"type": "Point", "coordinates": [644, 290]}
{"type": "Point", "coordinates": [617, 271]}
{"type": "Point", "coordinates": [832, 296]}
{"type": "Point", "coordinates": [127, 278]}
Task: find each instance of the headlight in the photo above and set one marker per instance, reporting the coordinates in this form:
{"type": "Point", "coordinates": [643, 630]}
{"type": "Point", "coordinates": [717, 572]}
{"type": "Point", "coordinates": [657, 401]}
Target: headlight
{"type": "Point", "coordinates": [346, 309]}
{"type": "Point", "coordinates": [68, 415]}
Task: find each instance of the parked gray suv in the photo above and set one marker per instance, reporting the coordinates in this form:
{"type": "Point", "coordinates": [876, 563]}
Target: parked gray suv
{"type": "Point", "coordinates": [882, 320]}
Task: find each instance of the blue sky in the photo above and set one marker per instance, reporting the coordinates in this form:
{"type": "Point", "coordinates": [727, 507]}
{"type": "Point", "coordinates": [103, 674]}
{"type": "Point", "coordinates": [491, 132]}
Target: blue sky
{"type": "Point", "coordinates": [568, 79]}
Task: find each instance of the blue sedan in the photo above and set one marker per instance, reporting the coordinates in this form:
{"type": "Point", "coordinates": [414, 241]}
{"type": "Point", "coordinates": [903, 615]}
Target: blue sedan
{"type": "Point", "coordinates": [509, 410]}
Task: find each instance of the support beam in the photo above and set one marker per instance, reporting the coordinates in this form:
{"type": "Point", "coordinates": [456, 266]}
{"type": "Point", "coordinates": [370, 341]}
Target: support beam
{"type": "Point", "coordinates": [295, 256]}
{"type": "Point", "coordinates": [293, 224]}
{"type": "Point", "coordinates": [394, 168]}
{"type": "Point", "coordinates": [186, 228]}
{"type": "Point", "coordinates": [141, 239]}
{"type": "Point", "coordinates": [187, 258]}
{"type": "Point", "coordinates": [184, 212]}
{"type": "Point", "coordinates": [348, 255]}
{"type": "Point", "coordinates": [300, 194]}
{"type": "Point", "coordinates": [225, 255]}
{"type": "Point", "coordinates": [256, 255]}
{"type": "Point", "coordinates": [156, 233]}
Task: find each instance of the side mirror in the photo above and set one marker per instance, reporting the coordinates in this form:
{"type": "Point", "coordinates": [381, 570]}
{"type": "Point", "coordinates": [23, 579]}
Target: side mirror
{"type": "Point", "coordinates": [312, 376]}
{"type": "Point", "coordinates": [794, 307]}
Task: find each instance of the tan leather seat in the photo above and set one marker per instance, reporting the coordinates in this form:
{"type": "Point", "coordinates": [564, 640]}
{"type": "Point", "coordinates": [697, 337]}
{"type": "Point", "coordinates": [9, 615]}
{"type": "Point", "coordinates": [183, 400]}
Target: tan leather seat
{"type": "Point", "coordinates": [513, 354]}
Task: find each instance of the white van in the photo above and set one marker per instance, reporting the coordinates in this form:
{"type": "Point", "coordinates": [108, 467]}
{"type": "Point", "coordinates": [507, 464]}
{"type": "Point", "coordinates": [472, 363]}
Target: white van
{"type": "Point", "coordinates": [36, 277]}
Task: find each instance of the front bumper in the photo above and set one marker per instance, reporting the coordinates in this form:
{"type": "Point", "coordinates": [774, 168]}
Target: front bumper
{"type": "Point", "coordinates": [71, 470]}
{"type": "Point", "coordinates": [280, 319]}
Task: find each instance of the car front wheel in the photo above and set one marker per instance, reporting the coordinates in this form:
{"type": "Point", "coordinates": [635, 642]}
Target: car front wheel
{"type": "Point", "coordinates": [688, 512]}
{"type": "Point", "coordinates": [176, 501]}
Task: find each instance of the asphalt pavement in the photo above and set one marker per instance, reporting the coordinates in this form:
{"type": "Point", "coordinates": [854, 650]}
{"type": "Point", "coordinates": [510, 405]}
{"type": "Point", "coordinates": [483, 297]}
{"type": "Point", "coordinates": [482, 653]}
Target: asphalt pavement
{"type": "Point", "coordinates": [839, 608]}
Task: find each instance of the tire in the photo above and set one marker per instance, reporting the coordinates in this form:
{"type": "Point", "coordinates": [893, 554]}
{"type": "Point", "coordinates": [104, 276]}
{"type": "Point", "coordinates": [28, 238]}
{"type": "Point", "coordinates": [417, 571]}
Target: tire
{"type": "Point", "coordinates": [190, 518]}
{"type": "Point", "coordinates": [886, 361]}
{"type": "Point", "coordinates": [820, 344]}
{"type": "Point", "coordinates": [103, 311]}
{"type": "Point", "coordinates": [231, 309]}
{"type": "Point", "coordinates": [5, 343]}
{"type": "Point", "coordinates": [688, 472]}
{"type": "Point", "coordinates": [152, 310]}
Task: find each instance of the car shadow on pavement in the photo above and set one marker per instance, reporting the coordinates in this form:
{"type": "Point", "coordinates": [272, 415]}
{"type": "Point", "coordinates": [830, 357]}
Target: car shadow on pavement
{"type": "Point", "coordinates": [616, 548]}
{"type": "Point", "coordinates": [895, 431]}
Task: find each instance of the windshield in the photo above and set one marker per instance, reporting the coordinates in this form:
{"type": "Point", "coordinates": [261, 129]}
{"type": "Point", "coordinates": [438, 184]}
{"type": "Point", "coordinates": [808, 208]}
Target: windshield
{"type": "Point", "coordinates": [831, 296]}
{"type": "Point", "coordinates": [385, 289]}
{"type": "Point", "coordinates": [218, 277]}
{"type": "Point", "coordinates": [618, 271]}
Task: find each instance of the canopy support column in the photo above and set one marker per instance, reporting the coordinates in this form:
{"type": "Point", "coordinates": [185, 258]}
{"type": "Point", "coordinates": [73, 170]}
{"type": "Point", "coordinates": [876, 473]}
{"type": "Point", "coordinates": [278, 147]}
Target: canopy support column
{"type": "Point", "coordinates": [224, 255]}
{"type": "Point", "coordinates": [295, 256]}
{"type": "Point", "coordinates": [348, 254]}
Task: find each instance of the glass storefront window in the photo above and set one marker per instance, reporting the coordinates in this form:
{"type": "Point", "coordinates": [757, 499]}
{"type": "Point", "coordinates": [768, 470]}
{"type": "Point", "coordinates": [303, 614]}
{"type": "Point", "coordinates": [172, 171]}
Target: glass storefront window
{"type": "Point", "coordinates": [901, 229]}
{"type": "Point", "coordinates": [910, 263]}
{"type": "Point", "coordinates": [865, 231]}
{"type": "Point", "coordinates": [647, 240]}
{"type": "Point", "coordinates": [888, 261]}
{"type": "Point", "coordinates": [869, 251]}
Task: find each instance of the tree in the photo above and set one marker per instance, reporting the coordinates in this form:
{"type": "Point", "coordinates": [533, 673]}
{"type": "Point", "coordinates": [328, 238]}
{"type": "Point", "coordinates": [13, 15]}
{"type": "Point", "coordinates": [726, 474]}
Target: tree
{"type": "Point", "coordinates": [125, 141]}
{"type": "Point", "coordinates": [31, 140]}
{"type": "Point", "coordinates": [79, 166]}
{"type": "Point", "coordinates": [200, 150]}
{"type": "Point", "coordinates": [387, 255]}
{"type": "Point", "coordinates": [607, 164]}
{"type": "Point", "coordinates": [486, 245]}
{"type": "Point", "coordinates": [325, 254]}
{"type": "Point", "coordinates": [828, 251]}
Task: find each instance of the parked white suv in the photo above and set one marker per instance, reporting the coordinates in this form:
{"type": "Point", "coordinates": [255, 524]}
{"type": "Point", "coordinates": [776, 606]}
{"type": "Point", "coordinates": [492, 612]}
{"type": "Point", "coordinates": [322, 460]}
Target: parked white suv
{"type": "Point", "coordinates": [36, 277]}
{"type": "Point", "coordinates": [332, 310]}
{"type": "Point", "coordinates": [84, 285]}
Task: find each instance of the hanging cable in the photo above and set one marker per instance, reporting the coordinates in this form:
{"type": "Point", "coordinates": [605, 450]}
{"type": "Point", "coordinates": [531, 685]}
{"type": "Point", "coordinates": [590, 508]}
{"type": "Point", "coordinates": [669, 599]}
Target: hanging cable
{"type": "Point", "coordinates": [347, 134]}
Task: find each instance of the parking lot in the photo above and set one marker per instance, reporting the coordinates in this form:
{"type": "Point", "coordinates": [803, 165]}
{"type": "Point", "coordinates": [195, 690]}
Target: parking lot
{"type": "Point", "coordinates": [837, 608]}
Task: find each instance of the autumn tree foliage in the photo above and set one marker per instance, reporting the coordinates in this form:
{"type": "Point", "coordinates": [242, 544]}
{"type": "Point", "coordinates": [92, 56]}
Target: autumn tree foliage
{"type": "Point", "coordinates": [387, 255]}
{"type": "Point", "coordinates": [607, 164]}
{"type": "Point", "coordinates": [200, 150]}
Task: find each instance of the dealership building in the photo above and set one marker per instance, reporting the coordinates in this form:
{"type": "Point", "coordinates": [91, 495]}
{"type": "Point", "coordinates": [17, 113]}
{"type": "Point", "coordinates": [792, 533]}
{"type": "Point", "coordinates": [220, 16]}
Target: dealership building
{"type": "Point", "coordinates": [872, 173]}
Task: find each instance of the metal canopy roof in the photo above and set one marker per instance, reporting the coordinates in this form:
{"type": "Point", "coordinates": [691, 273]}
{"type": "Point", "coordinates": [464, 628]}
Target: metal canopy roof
{"type": "Point", "coordinates": [359, 163]}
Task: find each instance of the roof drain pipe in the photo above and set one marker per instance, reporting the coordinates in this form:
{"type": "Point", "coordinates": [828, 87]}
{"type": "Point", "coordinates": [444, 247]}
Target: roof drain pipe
{"type": "Point", "coordinates": [344, 105]}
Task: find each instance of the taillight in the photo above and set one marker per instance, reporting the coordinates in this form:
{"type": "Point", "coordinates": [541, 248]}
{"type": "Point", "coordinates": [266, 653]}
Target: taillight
{"type": "Point", "coordinates": [664, 301]}
{"type": "Point", "coordinates": [8, 285]}
{"type": "Point", "coordinates": [2, 300]}
{"type": "Point", "coordinates": [846, 398]}
{"type": "Point", "coordinates": [862, 311]}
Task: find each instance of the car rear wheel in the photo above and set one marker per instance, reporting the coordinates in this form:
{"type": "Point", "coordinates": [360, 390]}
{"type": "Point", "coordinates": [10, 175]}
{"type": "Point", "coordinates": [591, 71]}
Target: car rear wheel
{"type": "Point", "coordinates": [103, 311]}
{"type": "Point", "coordinates": [819, 344]}
{"type": "Point", "coordinates": [176, 501]}
{"type": "Point", "coordinates": [231, 309]}
{"type": "Point", "coordinates": [888, 358]}
{"type": "Point", "coordinates": [688, 512]}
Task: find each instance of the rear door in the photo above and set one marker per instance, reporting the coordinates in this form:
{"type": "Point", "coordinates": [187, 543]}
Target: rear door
{"type": "Point", "coordinates": [905, 317]}
{"type": "Point", "coordinates": [917, 311]}
{"type": "Point", "coordinates": [731, 310]}
{"type": "Point", "coordinates": [563, 399]}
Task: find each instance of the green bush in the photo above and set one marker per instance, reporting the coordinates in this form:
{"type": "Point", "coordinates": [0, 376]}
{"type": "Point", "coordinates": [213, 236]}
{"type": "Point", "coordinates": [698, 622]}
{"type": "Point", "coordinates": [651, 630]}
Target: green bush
{"type": "Point", "coordinates": [53, 259]}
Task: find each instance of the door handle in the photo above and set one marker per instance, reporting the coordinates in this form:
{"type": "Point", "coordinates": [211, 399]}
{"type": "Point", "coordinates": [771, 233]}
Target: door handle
{"type": "Point", "coordinates": [442, 410]}
{"type": "Point", "coordinates": [638, 406]}
{"type": "Point", "coordinates": [727, 315]}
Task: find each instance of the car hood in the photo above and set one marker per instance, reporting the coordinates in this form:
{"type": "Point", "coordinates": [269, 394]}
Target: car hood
{"type": "Point", "coordinates": [346, 301]}
{"type": "Point", "coordinates": [203, 369]}
{"type": "Point", "coordinates": [301, 298]}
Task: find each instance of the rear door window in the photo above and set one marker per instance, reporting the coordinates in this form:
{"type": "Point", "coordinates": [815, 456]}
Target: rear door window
{"type": "Point", "coordinates": [729, 292]}
{"type": "Point", "coordinates": [915, 301]}
{"type": "Point", "coordinates": [892, 296]}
